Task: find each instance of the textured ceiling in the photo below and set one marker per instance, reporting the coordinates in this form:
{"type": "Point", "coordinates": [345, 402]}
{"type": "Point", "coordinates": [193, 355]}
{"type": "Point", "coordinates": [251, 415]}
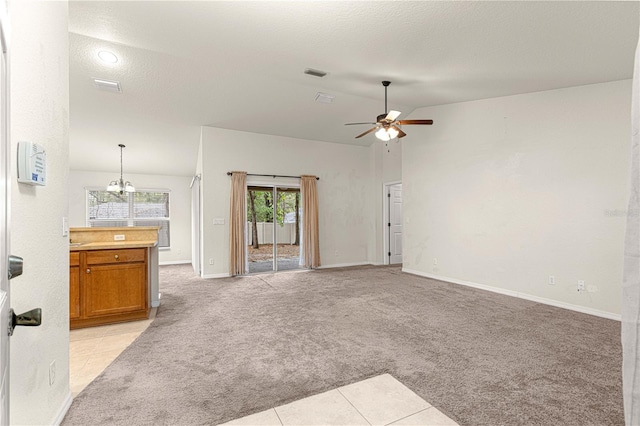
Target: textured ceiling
{"type": "Point", "coordinates": [239, 65]}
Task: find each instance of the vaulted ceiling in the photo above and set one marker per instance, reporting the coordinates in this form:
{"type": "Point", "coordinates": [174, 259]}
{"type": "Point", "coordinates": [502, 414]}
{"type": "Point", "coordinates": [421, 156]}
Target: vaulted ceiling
{"type": "Point", "coordinates": [239, 65]}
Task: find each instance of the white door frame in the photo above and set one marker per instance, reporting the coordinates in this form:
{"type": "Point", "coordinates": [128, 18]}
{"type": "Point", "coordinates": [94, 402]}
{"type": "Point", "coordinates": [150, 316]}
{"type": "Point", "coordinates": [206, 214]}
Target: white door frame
{"type": "Point", "coordinates": [386, 246]}
{"type": "Point", "coordinates": [196, 257]}
{"type": "Point", "coordinates": [5, 221]}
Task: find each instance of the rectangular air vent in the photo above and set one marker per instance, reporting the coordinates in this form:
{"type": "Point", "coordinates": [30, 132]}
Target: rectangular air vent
{"type": "Point", "coordinates": [111, 86]}
{"type": "Point", "coordinates": [325, 98]}
{"type": "Point", "coordinates": [315, 73]}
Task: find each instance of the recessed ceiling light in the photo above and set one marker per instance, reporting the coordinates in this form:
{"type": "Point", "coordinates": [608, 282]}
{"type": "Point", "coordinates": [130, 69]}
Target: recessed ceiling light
{"type": "Point", "coordinates": [107, 57]}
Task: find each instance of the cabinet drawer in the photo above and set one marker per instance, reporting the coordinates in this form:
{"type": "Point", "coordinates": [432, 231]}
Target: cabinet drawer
{"type": "Point", "coordinates": [115, 256]}
{"type": "Point", "coordinates": [74, 258]}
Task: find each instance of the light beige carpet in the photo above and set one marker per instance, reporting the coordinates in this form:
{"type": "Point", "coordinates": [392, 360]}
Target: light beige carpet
{"type": "Point", "coordinates": [222, 349]}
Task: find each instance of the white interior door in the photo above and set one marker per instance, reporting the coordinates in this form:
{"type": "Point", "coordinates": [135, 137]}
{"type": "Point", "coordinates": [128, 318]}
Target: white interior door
{"type": "Point", "coordinates": [395, 223]}
{"type": "Point", "coordinates": [195, 224]}
{"type": "Point", "coordinates": [4, 236]}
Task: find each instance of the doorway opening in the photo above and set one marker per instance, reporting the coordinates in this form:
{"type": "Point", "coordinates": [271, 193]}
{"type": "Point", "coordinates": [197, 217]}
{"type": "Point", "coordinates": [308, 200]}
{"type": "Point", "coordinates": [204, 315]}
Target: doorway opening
{"type": "Point", "coordinates": [273, 228]}
{"type": "Point", "coordinates": [392, 223]}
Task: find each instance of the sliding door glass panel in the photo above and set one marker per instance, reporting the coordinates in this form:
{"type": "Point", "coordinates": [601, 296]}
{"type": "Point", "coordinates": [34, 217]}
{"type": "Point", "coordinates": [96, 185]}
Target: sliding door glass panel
{"type": "Point", "coordinates": [287, 228]}
{"type": "Point", "coordinates": [260, 221]}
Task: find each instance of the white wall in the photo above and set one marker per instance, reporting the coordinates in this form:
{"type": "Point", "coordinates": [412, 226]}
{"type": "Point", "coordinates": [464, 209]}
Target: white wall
{"type": "Point", "coordinates": [386, 166]}
{"type": "Point", "coordinates": [179, 206]}
{"type": "Point", "coordinates": [392, 159]}
{"type": "Point", "coordinates": [505, 192]}
{"type": "Point", "coordinates": [344, 190]}
{"type": "Point", "coordinates": [40, 113]}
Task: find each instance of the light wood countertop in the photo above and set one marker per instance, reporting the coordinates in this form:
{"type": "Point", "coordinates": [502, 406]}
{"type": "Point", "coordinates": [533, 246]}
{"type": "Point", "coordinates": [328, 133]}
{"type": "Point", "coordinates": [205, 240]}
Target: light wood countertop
{"type": "Point", "coordinates": [106, 245]}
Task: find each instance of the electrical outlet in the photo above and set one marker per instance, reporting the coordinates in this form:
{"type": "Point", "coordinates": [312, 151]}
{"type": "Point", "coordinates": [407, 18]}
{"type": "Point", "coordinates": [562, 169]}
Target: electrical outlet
{"type": "Point", "coordinates": [118, 237]}
{"type": "Point", "coordinates": [580, 285]}
{"type": "Point", "coordinates": [552, 280]}
{"type": "Point", "coordinates": [52, 373]}
{"type": "Point", "coordinates": [435, 261]}
{"type": "Point", "coordinates": [211, 261]}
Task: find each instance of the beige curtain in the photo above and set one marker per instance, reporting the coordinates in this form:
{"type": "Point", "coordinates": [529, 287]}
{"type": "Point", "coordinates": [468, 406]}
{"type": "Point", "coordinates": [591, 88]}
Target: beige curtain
{"type": "Point", "coordinates": [310, 236]}
{"type": "Point", "coordinates": [237, 221]}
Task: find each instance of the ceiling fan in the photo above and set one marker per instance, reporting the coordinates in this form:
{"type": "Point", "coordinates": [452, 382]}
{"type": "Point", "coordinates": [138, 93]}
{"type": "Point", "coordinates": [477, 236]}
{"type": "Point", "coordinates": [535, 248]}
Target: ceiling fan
{"type": "Point", "coordinates": [387, 125]}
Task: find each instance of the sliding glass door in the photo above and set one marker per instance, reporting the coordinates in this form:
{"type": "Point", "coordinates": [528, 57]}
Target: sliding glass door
{"type": "Point", "coordinates": [273, 228]}
{"type": "Point", "coordinates": [287, 229]}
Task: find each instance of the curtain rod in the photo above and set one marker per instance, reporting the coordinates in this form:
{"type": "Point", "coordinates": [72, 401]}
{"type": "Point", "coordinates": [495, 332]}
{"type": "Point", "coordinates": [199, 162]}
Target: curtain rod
{"type": "Point", "coordinates": [273, 176]}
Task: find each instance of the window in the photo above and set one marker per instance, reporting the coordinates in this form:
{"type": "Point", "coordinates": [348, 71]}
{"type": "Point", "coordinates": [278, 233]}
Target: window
{"type": "Point", "coordinates": [140, 208]}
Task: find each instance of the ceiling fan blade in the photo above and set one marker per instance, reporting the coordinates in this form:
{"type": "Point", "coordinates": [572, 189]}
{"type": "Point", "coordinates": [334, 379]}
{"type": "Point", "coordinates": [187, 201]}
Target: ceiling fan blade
{"type": "Point", "coordinates": [351, 124]}
{"type": "Point", "coordinates": [393, 115]}
{"type": "Point", "coordinates": [367, 132]}
{"type": "Point", "coordinates": [403, 122]}
{"type": "Point", "coordinates": [401, 134]}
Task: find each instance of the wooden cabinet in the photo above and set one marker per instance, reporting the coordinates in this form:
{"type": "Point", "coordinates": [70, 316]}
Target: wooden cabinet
{"type": "Point", "coordinates": [74, 285]}
{"type": "Point", "coordinates": [112, 286]}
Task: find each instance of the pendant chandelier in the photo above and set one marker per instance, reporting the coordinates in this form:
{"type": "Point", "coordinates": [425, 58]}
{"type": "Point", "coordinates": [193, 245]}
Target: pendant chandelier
{"type": "Point", "coordinates": [120, 185]}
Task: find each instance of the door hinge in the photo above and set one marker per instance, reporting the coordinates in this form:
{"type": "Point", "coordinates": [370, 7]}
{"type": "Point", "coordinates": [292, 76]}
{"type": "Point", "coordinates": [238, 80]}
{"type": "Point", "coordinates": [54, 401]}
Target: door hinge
{"type": "Point", "coordinates": [389, 224]}
{"type": "Point", "coordinates": [389, 254]}
{"type": "Point", "coordinates": [388, 194]}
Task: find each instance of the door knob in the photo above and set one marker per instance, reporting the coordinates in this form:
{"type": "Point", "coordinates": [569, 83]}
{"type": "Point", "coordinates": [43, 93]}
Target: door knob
{"type": "Point", "coordinates": [33, 318]}
{"type": "Point", "coordinates": [15, 266]}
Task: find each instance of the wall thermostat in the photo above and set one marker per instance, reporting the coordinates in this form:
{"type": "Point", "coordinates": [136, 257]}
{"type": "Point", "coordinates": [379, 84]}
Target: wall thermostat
{"type": "Point", "coordinates": [32, 164]}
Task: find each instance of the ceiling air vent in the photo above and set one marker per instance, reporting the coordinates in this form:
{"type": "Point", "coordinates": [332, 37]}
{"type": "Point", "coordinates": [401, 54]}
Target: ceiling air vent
{"type": "Point", "coordinates": [315, 73]}
{"type": "Point", "coordinates": [325, 98]}
{"type": "Point", "coordinates": [111, 86]}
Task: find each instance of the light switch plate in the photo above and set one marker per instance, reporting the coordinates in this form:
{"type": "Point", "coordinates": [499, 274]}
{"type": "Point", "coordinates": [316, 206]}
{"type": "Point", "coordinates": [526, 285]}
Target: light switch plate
{"type": "Point", "coordinates": [65, 227]}
{"type": "Point", "coordinates": [218, 221]}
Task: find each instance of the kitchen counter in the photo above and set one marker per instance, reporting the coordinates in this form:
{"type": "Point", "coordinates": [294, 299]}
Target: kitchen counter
{"type": "Point", "coordinates": [103, 245]}
{"type": "Point", "coordinates": [91, 240]}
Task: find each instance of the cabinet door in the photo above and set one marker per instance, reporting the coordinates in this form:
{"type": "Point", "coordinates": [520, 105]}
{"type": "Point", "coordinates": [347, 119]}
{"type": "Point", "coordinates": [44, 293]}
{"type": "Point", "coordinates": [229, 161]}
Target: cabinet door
{"type": "Point", "coordinates": [74, 292]}
{"type": "Point", "coordinates": [74, 285]}
{"type": "Point", "coordinates": [115, 289]}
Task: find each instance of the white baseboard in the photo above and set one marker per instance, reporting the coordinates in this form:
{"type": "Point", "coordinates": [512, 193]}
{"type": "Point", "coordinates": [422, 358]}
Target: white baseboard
{"type": "Point", "coordinates": [344, 265]}
{"type": "Point", "coordinates": [66, 404]}
{"type": "Point", "coordinates": [174, 262]}
{"type": "Point", "coordinates": [551, 302]}
{"type": "Point", "coordinates": [225, 275]}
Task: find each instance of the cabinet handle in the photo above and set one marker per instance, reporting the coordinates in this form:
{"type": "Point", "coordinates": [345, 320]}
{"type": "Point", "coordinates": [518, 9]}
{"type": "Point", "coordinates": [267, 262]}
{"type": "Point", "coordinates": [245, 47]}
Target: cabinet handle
{"type": "Point", "coordinates": [117, 257]}
{"type": "Point", "coordinates": [88, 270]}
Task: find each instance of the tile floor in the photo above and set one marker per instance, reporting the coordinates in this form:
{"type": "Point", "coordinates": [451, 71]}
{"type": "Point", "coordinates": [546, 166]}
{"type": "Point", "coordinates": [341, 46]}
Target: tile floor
{"type": "Point", "coordinates": [380, 400]}
{"type": "Point", "coordinates": [92, 349]}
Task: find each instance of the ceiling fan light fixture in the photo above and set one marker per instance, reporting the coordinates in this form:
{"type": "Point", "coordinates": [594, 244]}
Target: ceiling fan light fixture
{"type": "Point", "coordinates": [386, 134]}
{"type": "Point", "coordinates": [387, 125]}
